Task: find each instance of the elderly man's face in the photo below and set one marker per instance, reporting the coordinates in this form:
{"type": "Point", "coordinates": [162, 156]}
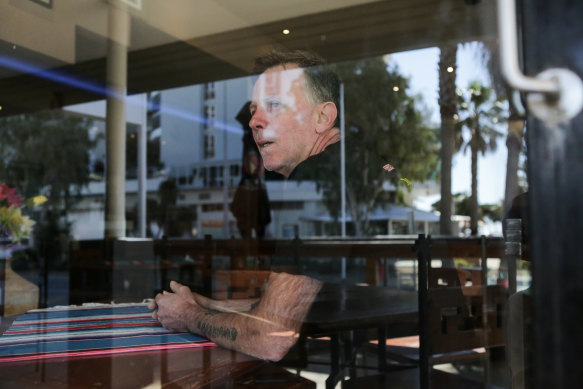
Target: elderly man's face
{"type": "Point", "coordinates": [283, 119]}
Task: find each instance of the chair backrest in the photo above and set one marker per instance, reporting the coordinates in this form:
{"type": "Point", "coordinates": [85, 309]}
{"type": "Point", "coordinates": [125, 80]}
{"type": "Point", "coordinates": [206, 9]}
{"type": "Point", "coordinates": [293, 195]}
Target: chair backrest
{"type": "Point", "coordinates": [447, 277]}
{"type": "Point", "coordinates": [456, 319]}
{"type": "Point", "coordinates": [457, 322]}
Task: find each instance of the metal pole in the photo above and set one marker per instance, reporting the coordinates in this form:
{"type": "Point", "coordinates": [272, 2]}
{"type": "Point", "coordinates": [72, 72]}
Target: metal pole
{"type": "Point", "coordinates": [226, 171]}
{"type": "Point", "coordinates": [423, 248]}
{"type": "Point", "coordinates": [142, 169]}
{"type": "Point", "coordinates": [342, 176]}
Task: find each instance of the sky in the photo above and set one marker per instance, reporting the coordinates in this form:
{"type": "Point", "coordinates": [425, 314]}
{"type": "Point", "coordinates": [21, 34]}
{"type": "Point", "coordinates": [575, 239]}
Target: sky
{"type": "Point", "coordinates": [421, 67]}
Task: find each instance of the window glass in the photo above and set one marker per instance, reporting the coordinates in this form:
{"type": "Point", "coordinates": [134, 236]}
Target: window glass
{"type": "Point", "coordinates": [149, 132]}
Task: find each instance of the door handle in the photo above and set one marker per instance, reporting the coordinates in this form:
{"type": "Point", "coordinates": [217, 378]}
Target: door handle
{"type": "Point", "coordinates": [555, 95]}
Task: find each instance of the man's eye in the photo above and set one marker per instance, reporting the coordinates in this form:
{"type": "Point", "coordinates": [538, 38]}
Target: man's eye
{"type": "Point", "coordinates": [272, 105]}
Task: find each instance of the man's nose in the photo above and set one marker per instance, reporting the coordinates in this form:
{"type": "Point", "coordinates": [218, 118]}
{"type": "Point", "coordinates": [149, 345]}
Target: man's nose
{"type": "Point", "coordinates": [259, 119]}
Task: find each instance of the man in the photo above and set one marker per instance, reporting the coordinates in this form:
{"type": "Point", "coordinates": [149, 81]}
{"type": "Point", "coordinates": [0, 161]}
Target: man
{"type": "Point", "coordinates": [294, 112]}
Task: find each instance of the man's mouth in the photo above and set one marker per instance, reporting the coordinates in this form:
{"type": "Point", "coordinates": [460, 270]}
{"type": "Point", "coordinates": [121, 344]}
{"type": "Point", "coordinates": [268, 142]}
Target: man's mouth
{"type": "Point", "coordinates": [264, 144]}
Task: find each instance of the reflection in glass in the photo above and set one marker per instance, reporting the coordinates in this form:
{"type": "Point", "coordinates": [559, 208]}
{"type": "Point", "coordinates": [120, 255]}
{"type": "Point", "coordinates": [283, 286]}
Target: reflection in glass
{"type": "Point", "coordinates": [412, 94]}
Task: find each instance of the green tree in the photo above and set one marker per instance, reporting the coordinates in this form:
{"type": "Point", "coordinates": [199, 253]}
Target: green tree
{"type": "Point", "coordinates": [489, 51]}
{"type": "Point", "coordinates": [480, 113]}
{"type": "Point", "coordinates": [447, 108]}
{"type": "Point", "coordinates": [463, 204]}
{"type": "Point", "coordinates": [383, 125]}
{"type": "Point", "coordinates": [46, 151]}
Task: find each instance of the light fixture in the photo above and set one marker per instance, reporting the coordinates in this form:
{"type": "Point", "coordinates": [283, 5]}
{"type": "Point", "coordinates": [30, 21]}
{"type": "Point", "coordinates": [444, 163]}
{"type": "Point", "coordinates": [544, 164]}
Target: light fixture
{"type": "Point", "coordinates": [285, 31]}
{"type": "Point", "coordinates": [449, 69]}
{"type": "Point", "coordinates": [396, 88]}
{"type": "Point", "coordinates": [0, 108]}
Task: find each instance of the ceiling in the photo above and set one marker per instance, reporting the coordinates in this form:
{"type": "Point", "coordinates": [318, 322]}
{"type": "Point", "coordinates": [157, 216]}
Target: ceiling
{"type": "Point", "coordinates": [51, 57]}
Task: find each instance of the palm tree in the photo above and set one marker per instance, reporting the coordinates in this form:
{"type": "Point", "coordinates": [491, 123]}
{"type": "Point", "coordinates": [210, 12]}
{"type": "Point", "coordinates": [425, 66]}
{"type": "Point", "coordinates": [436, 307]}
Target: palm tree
{"type": "Point", "coordinates": [514, 139]}
{"type": "Point", "coordinates": [479, 115]}
{"type": "Point", "coordinates": [447, 108]}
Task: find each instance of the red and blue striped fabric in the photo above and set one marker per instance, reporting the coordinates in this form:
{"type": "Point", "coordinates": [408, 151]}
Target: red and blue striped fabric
{"type": "Point", "coordinates": [94, 330]}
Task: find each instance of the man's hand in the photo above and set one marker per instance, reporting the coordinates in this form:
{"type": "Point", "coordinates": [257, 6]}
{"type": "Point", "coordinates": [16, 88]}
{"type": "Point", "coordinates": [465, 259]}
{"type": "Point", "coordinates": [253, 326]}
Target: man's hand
{"type": "Point", "coordinates": [174, 309]}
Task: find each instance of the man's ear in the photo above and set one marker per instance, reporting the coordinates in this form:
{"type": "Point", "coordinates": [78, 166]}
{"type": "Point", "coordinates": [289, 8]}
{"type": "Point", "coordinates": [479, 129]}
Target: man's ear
{"type": "Point", "coordinates": [327, 114]}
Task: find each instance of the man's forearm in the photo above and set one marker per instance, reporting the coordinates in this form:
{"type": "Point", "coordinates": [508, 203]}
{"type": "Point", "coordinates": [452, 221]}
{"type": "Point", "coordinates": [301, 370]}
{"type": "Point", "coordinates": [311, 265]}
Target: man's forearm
{"type": "Point", "coordinates": [211, 330]}
{"type": "Point", "coordinates": [265, 328]}
{"type": "Point", "coordinates": [244, 332]}
{"type": "Point", "coordinates": [232, 305]}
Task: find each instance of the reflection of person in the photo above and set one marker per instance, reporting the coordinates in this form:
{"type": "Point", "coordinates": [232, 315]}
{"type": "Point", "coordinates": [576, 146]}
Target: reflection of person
{"type": "Point", "coordinates": [250, 205]}
{"type": "Point", "coordinates": [294, 112]}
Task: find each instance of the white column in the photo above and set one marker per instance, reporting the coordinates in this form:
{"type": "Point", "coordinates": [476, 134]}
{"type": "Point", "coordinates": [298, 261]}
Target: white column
{"type": "Point", "coordinates": [115, 133]}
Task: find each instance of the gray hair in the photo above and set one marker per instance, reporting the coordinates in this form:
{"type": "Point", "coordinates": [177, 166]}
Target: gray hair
{"type": "Point", "coordinates": [322, 83]}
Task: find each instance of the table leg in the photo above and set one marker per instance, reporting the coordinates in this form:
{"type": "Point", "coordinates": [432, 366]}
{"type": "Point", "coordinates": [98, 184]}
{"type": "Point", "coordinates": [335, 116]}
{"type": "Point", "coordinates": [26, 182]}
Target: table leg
{"type": "Point", "coordinates": [350, 353]}
{"type": "Point", "coordinates": [382, 349]}
{"type": "Point", "coordinates": [336, 371]}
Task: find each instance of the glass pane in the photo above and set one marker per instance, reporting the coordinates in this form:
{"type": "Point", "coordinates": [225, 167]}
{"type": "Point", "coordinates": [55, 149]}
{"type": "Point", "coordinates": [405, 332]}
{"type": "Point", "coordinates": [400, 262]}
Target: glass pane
{"type": "Point", "coordinates": [164, 153]}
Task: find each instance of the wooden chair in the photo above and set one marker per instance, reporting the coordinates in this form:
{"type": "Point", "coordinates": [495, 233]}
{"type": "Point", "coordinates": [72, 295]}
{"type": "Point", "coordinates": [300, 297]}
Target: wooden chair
{"type": "Point", "coordinates": [456, 322]}
{"type": "Point", "coordinates": [459, 325]}
{"type": "Point", "coordinates": [460, 320]}
{"type": "Point", "coordinates": [443, 277]}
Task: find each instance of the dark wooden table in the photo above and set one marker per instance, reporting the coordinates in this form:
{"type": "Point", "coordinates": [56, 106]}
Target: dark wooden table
{"type": "Point", "coordinates": [348, 307]}
{"type": "Point", "coordinates": [204, 367]}
{"type": "Point", "coordinates": [339, 310]}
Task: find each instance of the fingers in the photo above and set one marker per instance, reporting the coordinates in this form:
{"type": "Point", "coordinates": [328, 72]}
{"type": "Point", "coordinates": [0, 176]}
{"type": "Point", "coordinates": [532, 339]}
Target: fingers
{"type": "Point", "coordinates": [182, 290]}
{"type": "Point", "coordinates": [174, 286]}
{"type": "Point", "coordinates": [152, 304]}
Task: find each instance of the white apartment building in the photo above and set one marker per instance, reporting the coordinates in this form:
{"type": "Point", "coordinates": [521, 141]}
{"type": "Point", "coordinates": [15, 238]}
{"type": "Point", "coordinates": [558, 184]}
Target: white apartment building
{"type": "Point", "coordinates": [195, 140]}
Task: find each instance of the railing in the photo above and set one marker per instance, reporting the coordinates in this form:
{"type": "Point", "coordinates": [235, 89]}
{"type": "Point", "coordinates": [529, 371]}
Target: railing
{"type": "Point", "coordinates": [95, 259]}
{"type": "Point", "coordinates": [442, 247]}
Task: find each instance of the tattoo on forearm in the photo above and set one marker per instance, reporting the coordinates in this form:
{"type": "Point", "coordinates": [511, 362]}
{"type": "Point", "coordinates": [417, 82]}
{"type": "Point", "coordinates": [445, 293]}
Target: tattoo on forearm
{"type": "Point", "coordinates": [211, 312]}
{"type": "Point", "coordinates": [255, 304]}
{"type": "Point", "coordinates": [211, 331]}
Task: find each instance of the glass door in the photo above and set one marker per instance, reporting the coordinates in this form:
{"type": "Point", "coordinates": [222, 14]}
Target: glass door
{"type": "Point", "coordinates": [552, 36]}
